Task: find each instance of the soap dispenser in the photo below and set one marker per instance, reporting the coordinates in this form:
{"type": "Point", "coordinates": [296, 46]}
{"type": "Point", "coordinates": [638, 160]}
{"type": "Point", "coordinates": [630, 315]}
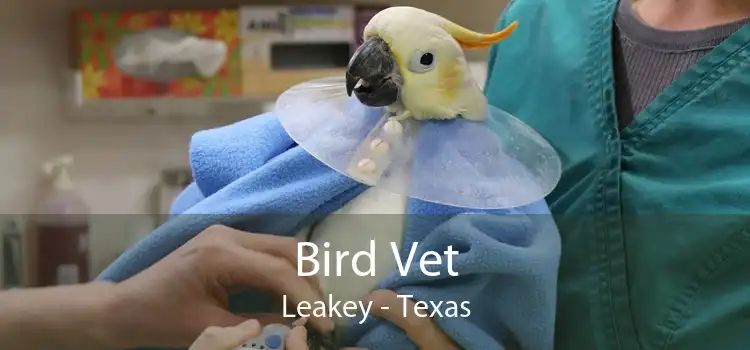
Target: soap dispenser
{"type": "Point", "coordinates": [59, 231]}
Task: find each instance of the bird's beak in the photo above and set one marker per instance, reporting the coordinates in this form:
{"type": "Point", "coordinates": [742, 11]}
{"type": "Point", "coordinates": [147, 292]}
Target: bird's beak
{"type": "Point", "coordinates": [372, 74]}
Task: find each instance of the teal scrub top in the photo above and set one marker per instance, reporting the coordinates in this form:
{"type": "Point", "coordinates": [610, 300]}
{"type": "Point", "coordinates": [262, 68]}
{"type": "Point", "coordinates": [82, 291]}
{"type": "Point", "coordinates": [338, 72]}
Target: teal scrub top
{"type": "Point", "coordinates": [654, 218]}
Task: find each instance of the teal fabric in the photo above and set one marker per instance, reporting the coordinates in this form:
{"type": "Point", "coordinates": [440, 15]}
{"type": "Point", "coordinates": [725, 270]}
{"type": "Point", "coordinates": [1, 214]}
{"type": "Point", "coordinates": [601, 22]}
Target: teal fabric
{"type": "Point", "coordinates": [654, 219]}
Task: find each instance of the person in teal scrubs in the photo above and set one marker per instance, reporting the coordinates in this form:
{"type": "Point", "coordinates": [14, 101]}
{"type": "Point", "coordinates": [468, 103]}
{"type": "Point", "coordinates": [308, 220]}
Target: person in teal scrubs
{"type": "Point", "coordinates": [648, 104]}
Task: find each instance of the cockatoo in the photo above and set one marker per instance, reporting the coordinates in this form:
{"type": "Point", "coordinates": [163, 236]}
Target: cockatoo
{"type": "Point", "coordinates": [413, 64]}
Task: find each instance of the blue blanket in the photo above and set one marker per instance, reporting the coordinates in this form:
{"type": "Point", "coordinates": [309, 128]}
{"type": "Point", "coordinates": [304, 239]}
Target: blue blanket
{"type": "Point", "coordinates": [252, 176]}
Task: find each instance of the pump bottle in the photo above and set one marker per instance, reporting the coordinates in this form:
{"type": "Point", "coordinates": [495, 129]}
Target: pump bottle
{"type": "Point", "coordinates": [59, 231]}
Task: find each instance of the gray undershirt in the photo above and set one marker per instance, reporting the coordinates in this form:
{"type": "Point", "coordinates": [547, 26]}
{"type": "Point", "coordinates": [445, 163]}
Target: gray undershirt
{"type": "Point", "coordinates": [647, 60]}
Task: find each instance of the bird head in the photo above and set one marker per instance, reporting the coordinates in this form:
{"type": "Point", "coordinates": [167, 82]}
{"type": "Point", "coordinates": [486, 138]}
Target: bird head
{"type": "Point", "coordinates": [406, 46]}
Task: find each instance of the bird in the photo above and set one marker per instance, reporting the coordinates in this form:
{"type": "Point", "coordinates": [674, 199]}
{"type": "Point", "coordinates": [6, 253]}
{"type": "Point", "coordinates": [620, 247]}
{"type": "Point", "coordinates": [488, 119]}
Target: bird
{"type": "Point", "coordinates": [412, 63]}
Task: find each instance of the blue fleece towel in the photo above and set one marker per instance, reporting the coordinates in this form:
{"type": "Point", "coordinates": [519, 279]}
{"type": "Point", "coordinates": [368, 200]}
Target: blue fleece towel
{"type": "Point", "coordinates": [507, 267]}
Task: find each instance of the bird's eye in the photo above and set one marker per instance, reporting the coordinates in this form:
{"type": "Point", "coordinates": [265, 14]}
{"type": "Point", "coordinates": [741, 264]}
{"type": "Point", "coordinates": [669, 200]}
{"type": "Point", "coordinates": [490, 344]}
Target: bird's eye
{"type": "Point", "coordinates": [426, 59]}
{"type": "Point", "coordinates": [422, 61]}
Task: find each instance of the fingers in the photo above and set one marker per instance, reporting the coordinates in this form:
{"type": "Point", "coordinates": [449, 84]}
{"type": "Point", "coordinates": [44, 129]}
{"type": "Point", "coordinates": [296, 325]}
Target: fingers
{"type": "Point", "coordinates": [266, 262]}
{"type": "Point", "coordinates": [421, 330]}
{"type": "Point", "coordinates": [300, 322]}
{"type": "Point", "coordinates": [273, 274]}
{"type": "Point", "coordinates": [266, 319]}
{"type": "Point", "coordinates": [283, 247]}
{"type": "Point", "coordinates": [220, 317]}
{"type": "Point", "coordinates": [297, 339]}
{"type": "Point", "coordinates": [228, 338]}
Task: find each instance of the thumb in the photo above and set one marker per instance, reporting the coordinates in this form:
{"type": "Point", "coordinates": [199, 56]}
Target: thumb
{"type": "Point", "coordinates": [227, 338]}
{"type": "Point", "coordinates": [225, 318]}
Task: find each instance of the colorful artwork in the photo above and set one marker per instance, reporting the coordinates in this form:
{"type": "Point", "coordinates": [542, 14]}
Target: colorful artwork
{"type": "Point", "coordinates": [269, 49]}
{"type": "Point", "coordinates": [100, 32]}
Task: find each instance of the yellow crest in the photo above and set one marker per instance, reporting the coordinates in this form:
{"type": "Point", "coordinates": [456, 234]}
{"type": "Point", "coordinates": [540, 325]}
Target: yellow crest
{"type": "Point", "coordinates": [469, 39]}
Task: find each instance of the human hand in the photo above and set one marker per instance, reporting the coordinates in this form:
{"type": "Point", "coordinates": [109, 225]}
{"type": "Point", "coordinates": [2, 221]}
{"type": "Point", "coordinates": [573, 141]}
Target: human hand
{"type": "Point", "coordinates": [230, 338]}
{"type": "Point", "coordinates": [173, 301]}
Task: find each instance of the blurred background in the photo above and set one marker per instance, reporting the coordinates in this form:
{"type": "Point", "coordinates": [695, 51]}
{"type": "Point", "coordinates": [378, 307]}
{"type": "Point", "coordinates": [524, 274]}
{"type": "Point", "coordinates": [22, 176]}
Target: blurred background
{"type": "Point", "coordinates": [70, 105]}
